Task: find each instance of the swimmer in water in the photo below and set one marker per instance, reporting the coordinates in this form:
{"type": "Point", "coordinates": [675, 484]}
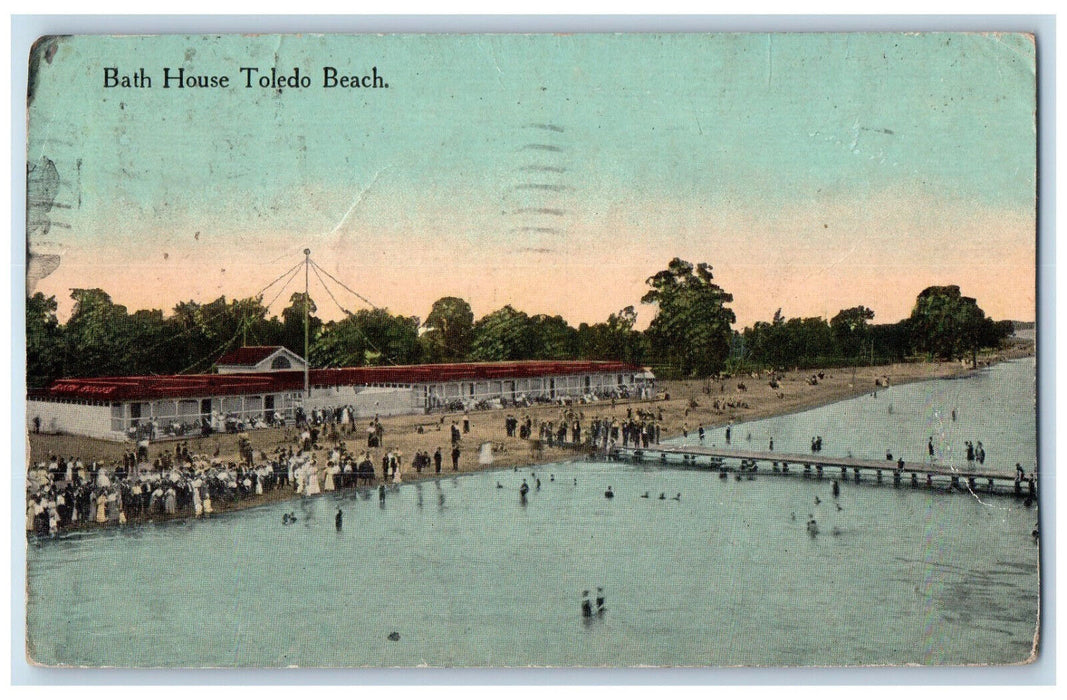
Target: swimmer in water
{"type": "Point", "coordinates": [587, 606]}
{"type": "Point", "coordinates": [600, 600]}
{"type": "Point", "coordinates": [538, 485]}
{"type": "Point", "coordinates": [551, 477]}
{"type": "Point", "coordinates": [608, 493]}
{"type": "Point", "coordinates": [285, 518]}
{"type": "Point", "coordinates": [644, 495]}
{"type": "Point", "coordinates": [524, 489]}
{"type": "Point", "coordinates": [381, 493]}
{"type": "Point", "coordinates": [663, 497]}
{"type": "Point", "coordinates": [677, 498]}
{"type": "Point", "coordinates": [836, 489]}
{"type": "Point", "coordinates": [499, 485]}
{"type": "Point", "coordinates": [337, 519]}
{"type": "Point", "coordinates": [817, 501]}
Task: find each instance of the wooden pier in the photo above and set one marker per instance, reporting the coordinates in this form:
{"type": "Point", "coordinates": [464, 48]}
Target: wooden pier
{"type": "Point", "coordinates": [817, 466]}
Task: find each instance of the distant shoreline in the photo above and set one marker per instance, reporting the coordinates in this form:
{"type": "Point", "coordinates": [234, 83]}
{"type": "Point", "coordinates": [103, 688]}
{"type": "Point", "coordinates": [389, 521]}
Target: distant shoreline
{"type": "Point", "coordinates": [756, 402]}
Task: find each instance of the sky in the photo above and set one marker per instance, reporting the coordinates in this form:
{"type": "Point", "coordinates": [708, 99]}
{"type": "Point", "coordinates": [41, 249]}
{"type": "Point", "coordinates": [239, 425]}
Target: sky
{"type": "Point", "coordinates": [556, 173]}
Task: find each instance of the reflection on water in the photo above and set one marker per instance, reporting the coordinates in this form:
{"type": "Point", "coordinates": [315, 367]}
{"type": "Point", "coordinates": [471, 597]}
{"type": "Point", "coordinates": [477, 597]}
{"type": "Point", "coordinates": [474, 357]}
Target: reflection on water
{"type": "Point", "coordinates": [467, 575]}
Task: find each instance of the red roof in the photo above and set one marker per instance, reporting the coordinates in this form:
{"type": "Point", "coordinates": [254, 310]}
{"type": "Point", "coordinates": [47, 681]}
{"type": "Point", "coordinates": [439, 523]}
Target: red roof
{"type": "Point", "coordinates": [250, 355]}
{"type": "Point", "coordinates": [206, 385]}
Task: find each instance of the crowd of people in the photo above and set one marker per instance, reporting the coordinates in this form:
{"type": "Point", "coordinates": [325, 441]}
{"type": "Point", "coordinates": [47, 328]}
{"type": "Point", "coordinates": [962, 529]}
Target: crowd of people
{"type": "Point", "coordinates": [69, 492]}
{"type": "Point", "coordinates": [571, 428]}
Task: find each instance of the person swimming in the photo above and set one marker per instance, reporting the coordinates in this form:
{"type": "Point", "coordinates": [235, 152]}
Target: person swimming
{"type": "Point", "coordinates": [381, 492]}
{"type": "Point", "coordinates": [537, 485]}
{"type": "Point", "coordinates": [524, 489]}
{"type": "Point", "coordinates": [836, 489]}
{"type": "Point", "coordinates": [338, 519]}
{"type": "Point", "coordinates": [285, 518]}
{"type": "Point", "coordinates": [644, 495]}
{"type": "Point", "coordinates": [499, 485]}
{"type": "Point", "coordinates": [663, 497]}
{"type": "Point", "coordinates": [813, 527]}
{"type": "Point", "coordinates": [609, 493]}
{"type": "Point", "coordinates": [600, 600]}
{"type": "Point", "coordinates": [587, 606]}
{"type": "Point", "coordinates": [817, 500]}
{"type": "Point", "coordinates": [551, 477]}
{"type": "Point", "coordinates": [677, 498]}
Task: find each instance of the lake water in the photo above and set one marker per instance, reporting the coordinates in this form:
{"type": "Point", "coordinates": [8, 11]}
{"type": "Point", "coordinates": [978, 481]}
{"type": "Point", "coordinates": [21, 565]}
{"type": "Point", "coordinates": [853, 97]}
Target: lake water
{"type": "Point", "coordinates": [467, 575]}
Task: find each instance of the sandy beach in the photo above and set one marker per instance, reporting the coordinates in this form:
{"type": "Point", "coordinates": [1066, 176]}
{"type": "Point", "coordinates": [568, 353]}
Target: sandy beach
{"type": "Point", "coordinates": [684, 405]}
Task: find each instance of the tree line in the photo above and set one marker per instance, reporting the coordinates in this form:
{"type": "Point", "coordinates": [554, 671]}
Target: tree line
{"type": "Point", "coordinates": [691, 333]}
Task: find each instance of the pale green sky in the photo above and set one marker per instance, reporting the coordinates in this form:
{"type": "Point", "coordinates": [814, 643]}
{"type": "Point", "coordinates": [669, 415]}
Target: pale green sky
{"type": "Point", "coordinates": [813, 171]}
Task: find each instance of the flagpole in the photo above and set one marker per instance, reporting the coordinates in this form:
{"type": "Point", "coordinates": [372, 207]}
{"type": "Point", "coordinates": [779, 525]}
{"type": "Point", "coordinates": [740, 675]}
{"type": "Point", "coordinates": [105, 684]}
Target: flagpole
{"type": "Point", "coordinates": [307, 298]}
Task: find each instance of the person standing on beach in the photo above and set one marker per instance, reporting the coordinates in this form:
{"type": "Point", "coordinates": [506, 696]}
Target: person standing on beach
{"type": "Point", "coordinates": [437, 461]}
{"type": "Point", "coordinates": [455, 458]}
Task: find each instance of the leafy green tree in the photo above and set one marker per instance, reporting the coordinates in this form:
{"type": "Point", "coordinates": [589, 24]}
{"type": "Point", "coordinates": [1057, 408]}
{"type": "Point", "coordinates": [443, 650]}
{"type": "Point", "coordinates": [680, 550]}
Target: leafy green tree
{"type": "Point", "coordinates": [449, 329]}
{"type": "Point", "coordinates": [551, 338]}
{"type": "Point", "coordinates": [948, 325]}
{"type": "Point", "coordinates": [44, 341]}
{"type": "Point", "coordinates": [368, 337]}
{"type": "Point", "coordinates": [794, 342]}
{"type": "Point", "coordinates": [691, 330]}
{"type": "Point", "coordinates": [614, 339]}
{"type": "Point", "coordinates": [504, 334]}
{"type": "Point", "coordinates": [96, 339]}
{"type": "Point", "coordinates": [292, 335]}
{"type": "Point", "coordinates": [851, 330]}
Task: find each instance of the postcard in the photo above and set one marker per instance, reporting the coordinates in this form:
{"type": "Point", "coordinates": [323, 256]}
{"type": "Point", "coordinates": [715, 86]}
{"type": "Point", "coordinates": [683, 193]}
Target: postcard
{"type": "Point", "coordinates": [532, 350]}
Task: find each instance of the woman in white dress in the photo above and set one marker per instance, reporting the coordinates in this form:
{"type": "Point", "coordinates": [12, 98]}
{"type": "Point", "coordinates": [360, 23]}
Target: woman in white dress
{"type": "Point", "coordinates": [313, 479]}
{"type": "Point", "coordinates": [101, 507]}
{"type": "Point", "coordinates": [198, 503]}
{"type": "Point", "coordinates": [327, 480]}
